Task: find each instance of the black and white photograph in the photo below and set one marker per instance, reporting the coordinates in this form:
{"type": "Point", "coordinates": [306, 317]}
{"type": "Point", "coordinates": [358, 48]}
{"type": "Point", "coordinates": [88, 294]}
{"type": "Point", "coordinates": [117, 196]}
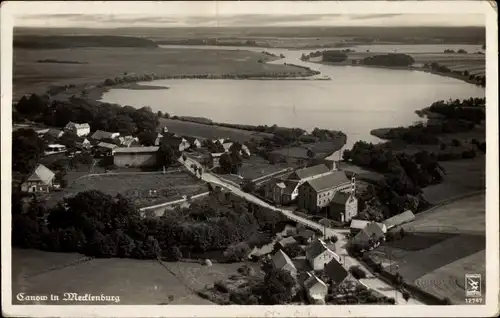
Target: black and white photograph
{"type": "Point", "coordinates": [197, 155]}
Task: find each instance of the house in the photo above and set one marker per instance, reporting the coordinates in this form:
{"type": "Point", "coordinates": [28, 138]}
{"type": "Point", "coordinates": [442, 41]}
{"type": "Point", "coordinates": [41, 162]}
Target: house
{"type": "Point", "coordinates": [100, 135]}
{"type": "Point", "coordinates": [174, 140]}
{"type": "Point", "coordinates": [79, 130]}
{"type": "Point", "coordinates": [280, 191]}
{"type": "Point", "coordinates": [138, 157]}
{"type": "Point", "coordinates": [398, 219]}
{"type": "Point", "coordinates": [128, 141]}
{"type": "Point", "coordinates": [164, 129]}
{"type": "Point", "coordinates": [373, 232]}
{"type": "Point", "coordinates": [287, 241]}
{"type": "Point", "coordinates": [336, 273]}
{"type": "Point", "coordinates": [82, 143]}
{"type": "Point", "coordinates": [316, 289]}
{"type": "Point", "coordinates": [357, 225]}
{"type": "Point", "coordinates": [194, 142]}
{"type": "Point", "coordinates": [282, 261]}
{"type": "Point", "coordinates": [106, 148]}
{"type": "Point", "coordinates": [317, 193]}
{"type": "Point", "coordinates": [344, 206]}
{"type": "Point", "coordinates": [303, 175]}
{"type": "Point", "coordinates": [215, 157]}
{"type": "Point", "coordinates": [41, 180]}
{"type": "Point", "coordinates": [318, 255]}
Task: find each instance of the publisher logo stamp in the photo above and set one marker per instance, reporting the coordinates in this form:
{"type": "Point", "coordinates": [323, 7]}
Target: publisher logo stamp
{"type": "Point", "coordinates": [472, 285]}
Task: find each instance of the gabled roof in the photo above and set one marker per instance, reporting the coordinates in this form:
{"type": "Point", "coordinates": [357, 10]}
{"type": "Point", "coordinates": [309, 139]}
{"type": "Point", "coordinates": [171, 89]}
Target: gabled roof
{"type": "Point", "coordinates": [191, 140]}
{"type": "Point", "coordinates": [329, 181]}
{"type": "Point", "coordinates": [371, 230]}
{"type": "Point", "coordinates": [54, 132]}
{"type": "Point", "coordinates": [290, 186]}
{"type": "Point", "coordinates": [136, 149]}
{"type": "Point", "coordinates": [315, 248]}
{"type": "Point", "coordinates": [106, 145]}
{"type": "Point", "coordinates": [311, 171]}
{"type": "Point", "coordinates": [312, 281]}
{"type": "Point", "coordinates": [340, 197]}
{"type": "Point", "coordinates": [401, 218]}
{"type": "Point", "coordinates": [78, 126]}
{"type": "Point", "coordinates": [280, 260]}
{"type": "Point", "coordinates": [42, 174]}
{"type": "Point", "coordinates": [99, 134]}
{"type": "Point", "coordinates": [306, 233]}
{"type": "Point", "coordinates": [336, 272]}
{"type": "Point", "coordinates": [287, 241]}
{"type": "Point", "coordinates": [361, 224]}
{"type": "Point", "coordinates": [281, 185]}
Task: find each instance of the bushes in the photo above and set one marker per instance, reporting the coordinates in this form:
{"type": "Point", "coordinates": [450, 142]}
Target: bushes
{"type": "Point", "coordinates": [397, 59]}
{"type": "Point", "coordinates": [243, 298]}
{"type": "Point", "coordinates": [293, 250]}
{"type": "Point", "coordinates": [357, 272]}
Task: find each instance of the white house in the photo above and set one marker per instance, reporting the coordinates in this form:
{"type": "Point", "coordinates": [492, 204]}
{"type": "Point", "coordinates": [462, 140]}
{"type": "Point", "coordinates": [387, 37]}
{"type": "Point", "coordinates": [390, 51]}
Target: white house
{"type": "Point", "coordinates": [282, 261]}
{"type": "Point", "coordinates": [316, 289]}
{"type": "Point", "coordinates": [77, 129]}
{"type": "Point", "coordinates": [318, 255]}
{"type": "Point", "coordinates": [41, 180]}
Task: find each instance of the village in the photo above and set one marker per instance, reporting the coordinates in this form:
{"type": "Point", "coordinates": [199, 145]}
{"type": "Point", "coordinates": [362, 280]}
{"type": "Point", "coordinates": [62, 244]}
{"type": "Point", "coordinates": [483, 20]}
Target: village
{"type": "Point", "coordinates": [318, 196]}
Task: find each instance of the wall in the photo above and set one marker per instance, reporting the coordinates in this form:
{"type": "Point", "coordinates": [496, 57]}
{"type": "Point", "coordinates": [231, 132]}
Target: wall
{"type": "Point", "coordinates": [135, 159]}
{"type": "Point", "coordinates": [351, 209]}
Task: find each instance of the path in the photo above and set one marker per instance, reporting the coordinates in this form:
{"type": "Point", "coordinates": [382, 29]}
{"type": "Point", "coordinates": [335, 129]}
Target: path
{"type": "Point", "coordinates": [371, 282]}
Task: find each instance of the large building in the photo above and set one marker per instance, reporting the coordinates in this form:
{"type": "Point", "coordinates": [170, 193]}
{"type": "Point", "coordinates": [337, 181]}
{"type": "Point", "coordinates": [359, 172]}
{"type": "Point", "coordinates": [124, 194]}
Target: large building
{"type": "Point", "coordinates": [318, 193]}
{"type": "Point", "coordinates": [138, 157]}
{"type": "Point", "coordinates": [77, 129]}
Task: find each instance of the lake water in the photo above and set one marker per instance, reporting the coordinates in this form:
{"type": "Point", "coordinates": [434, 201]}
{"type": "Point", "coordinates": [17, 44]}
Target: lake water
{"type": "Point", "coordinates": [355, 101]}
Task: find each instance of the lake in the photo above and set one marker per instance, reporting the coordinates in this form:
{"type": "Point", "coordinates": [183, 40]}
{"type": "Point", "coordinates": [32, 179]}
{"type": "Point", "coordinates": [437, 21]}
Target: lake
{"type": "Point", "coordinates": [355, 100]}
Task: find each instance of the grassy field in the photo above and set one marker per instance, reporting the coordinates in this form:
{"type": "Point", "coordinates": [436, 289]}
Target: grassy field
{"type": "Point", "coordinates": [440, 246]}
{"type": "Point", "coordinates": [203, 131]}
{"type": "Point", "coordinates": [136, 282]}
{"type": "Point", "coordinates": [256, 167]}
{"type": "Point", "coordinates": [29, 76]}
{"type": "Point", "coordinates": [462, 177]}
{"type": "Point", "coordinates": [171, 186]}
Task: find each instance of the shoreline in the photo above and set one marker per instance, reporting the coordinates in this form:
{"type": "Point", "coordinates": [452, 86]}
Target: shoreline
{"type": "Point", "coordinates": [406, 68]}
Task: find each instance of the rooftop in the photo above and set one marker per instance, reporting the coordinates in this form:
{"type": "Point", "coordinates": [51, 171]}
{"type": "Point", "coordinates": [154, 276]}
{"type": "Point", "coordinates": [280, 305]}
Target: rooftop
{"type": "Point", "coordinates": [312, 171]}
{"type": "Point", "coordinates": [42, 174]}
{"type": "Point", "coordinates": [312, 281]}
{"type": "Point", "coordinates": [340, 197]}
{"type": "Point", "coordinates": [401, 218]}
{"type": "Point", "coordinates": [280, 259]}
{"type": "Point", "coordinates": [336, 272]}
{"type": "Point", "coordinates": [106, 145]}
{"type": "Point", "coordinates": [315, 248]}
{"type": "Point", "coordinates": [329, 181]}
{"type": "Point", "coordinates": [136, 149]}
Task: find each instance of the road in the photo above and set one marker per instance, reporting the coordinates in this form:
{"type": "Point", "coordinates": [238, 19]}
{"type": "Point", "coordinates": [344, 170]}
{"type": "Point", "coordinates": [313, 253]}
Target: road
{"type": "Point", "coordinates": [340, 246]}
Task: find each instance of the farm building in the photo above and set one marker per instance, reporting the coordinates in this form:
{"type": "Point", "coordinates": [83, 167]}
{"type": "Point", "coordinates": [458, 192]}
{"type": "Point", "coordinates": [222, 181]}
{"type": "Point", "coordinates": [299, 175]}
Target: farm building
{"type": "Point", "coordinates": [54, 148]}
{"type": "Point", "coordinates": [318, 255]}
{"type": "Point", "coordinates": [316, 289]}
{"type": "Point", "coordinates": [138, 157]}
{"type": "Point", "coordinates": [106, 148]}
{"type": "Point", "coordinates": [336, 273]}
{"type": "Point", "coordinates": [282, 261]}
{"type": "Point", "coordinates": [317, 193]}
{"type": "Point", "coordinates": [357, 225]}
{"type": "Point", "coordinates": [41, 180]}
{"type": "Point", "coordinates": [371, 233]}
{"type": "Point", "coordinates": [100, 135]}
{"type": "Point", "coordinates": [53, 133]}
{"type": "Point", "coordinates": [79, 130]}
{"type": "Point", "coordinates": [405, 217]}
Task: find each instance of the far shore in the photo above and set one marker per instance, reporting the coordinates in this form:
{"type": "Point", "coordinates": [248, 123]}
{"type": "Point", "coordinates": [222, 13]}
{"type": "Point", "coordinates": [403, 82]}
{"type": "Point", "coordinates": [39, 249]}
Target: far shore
{"type": "Point", "coordinates": [404, 68]}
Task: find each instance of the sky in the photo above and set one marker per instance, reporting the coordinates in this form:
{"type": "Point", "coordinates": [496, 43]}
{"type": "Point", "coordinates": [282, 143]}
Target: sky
{"type": "Point", "coordinates": [211, 18]}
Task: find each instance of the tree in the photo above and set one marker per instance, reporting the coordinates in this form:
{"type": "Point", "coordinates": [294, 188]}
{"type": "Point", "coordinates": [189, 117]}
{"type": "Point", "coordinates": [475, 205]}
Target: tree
{"type": "Point", "coordinates": [122, 124]}
{"type": "Point", "coordinates": [248, 186]}
{"type": "Point", "coordinates": [357, 272]}
{"type": "Point", "coordinates": [402, 232]}
{"type": "Point", "coordinates": [27, 149]}
{"type": "Point", "coordinates": [174, 254]}
{"type": "Point", "coordinates": [292, 250]}
{"type": "Point", "coordinates": [147, 138]}
{"type": "Point", "coordinates": [168, 155]}
{"type": "Point", "coordinates": [406, 295]}
{"type": "Point", "coordinates": [276, 288]}
{"type": "Point", "coordinates": [226, 163]}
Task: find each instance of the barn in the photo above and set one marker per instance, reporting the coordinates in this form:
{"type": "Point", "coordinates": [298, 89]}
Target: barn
{"type": "Point", "coordinates": [138, 157]}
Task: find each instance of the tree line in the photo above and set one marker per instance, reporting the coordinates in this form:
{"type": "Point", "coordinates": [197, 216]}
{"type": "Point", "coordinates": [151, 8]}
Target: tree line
{"type": "Point", "coordinates": [392, 59]}
{"type": "Point", "coordinates": [126, 120]}
{"type": "Point", "coordinates": [99, 225]}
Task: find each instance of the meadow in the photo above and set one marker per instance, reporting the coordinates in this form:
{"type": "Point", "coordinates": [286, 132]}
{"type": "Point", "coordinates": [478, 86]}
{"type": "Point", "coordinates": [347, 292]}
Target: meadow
{"type": "Point", "coordinates": [136, 282]}
{"type": "Point", "coordinates": [205, 131]}
{"type": "Point", "coordinates": [439, 247]}
{"type": "Point", "coordinates": [135, 186]}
